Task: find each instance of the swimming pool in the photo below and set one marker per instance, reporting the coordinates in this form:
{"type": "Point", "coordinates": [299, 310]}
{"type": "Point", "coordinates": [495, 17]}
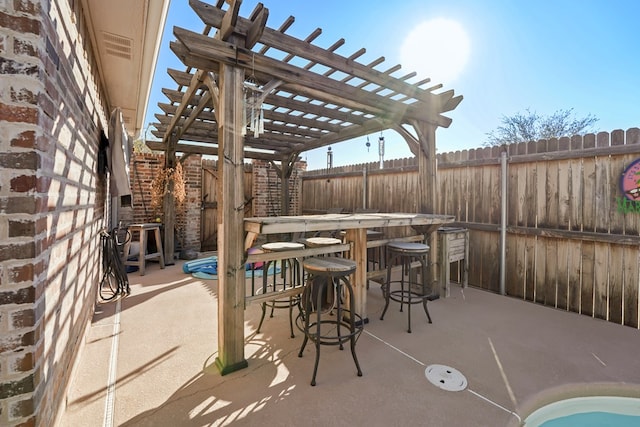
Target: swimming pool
{"type": "Point", "coordinates": [589, 411]}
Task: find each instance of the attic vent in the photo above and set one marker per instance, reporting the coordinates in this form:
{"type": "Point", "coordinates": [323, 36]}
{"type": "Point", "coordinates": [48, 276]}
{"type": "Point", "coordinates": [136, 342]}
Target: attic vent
{"type": "Point", "coordinates": [117, 45]}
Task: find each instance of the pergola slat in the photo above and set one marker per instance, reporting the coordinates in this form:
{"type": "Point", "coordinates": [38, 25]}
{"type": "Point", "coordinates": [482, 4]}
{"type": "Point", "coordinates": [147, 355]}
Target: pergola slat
{"type": "Point", "coordinates": [297, 47]}
{"type": "Point", "coordinates": [305, 82]}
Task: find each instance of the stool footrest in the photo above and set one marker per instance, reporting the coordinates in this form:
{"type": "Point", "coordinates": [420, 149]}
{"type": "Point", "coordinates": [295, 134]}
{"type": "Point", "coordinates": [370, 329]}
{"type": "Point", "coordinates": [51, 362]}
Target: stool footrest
{"type": "Point", "coordinates": [336, 339]}
{"type": "Point", "coordinates": [402, 296]}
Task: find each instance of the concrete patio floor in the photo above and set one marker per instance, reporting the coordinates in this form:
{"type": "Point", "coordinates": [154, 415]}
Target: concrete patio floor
{"type": "Point", "coordinates": [157, 348]}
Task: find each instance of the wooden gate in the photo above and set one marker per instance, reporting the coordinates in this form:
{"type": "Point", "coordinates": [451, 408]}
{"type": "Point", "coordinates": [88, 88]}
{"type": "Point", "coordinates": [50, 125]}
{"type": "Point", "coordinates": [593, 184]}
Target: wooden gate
{"type": "Point", "coordinates": [209, 216]}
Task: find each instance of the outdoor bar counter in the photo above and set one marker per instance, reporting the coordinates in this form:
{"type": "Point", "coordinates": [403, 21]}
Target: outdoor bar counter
{"type": "Point", "coordinates": [355, 226]}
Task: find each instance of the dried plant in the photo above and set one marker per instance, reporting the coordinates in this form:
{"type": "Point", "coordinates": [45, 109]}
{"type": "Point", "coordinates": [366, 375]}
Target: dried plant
{"type": "Point", "coordinates": [161, 184]}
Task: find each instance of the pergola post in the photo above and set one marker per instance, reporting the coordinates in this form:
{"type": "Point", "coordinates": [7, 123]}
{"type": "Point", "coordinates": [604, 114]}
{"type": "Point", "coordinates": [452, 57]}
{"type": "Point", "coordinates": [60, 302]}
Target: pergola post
{"type": "Point", "coordinates": [287, 166]}
{"type": "Point", "coordinates": [231, 276]}
{"type": "Point", "coordinates": [285, 173]}
{"type": "Point", "coordinates": [169, 202]}
{"type": "Point", "coordinates": [428, 187]}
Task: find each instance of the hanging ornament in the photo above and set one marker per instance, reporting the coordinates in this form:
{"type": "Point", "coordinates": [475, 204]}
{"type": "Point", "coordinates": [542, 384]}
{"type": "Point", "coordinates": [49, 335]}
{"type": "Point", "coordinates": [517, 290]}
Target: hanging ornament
{"type": "Point", "coordinates": [381, 149]}
{"type": "Point", "coordinates": [253, 106]}
{"type": "Point", "coordinates": [368, 144]}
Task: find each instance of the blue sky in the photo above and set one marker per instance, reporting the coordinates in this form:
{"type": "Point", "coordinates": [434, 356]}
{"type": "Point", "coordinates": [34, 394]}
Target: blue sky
{"type": "Point", "coordinates": [540, 55]}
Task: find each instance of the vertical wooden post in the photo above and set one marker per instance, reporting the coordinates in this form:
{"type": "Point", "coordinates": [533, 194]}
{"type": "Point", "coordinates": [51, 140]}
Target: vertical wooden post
{"type": "Point", "coordinates": [358, 239]}
{"type": "Point", "coordinates": [169, 203]}
{"type": "Point", "coordinates": [285, 173]}
{"type": "Point", "coordinates": [287, 166]}
{"type": "Point", "coordinates": [427, 188]}
{"type": "Point", "coordinates": [231, 259]}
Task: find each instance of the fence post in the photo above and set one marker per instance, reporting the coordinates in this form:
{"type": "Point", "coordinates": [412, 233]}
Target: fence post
{"type": "Point", "coordinates": [503, 220]}
{"type": "Point", "coordinates": [364, 187]}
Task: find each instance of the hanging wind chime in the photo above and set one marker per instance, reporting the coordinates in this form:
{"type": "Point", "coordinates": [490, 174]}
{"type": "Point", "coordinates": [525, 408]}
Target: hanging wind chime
{"type": "Point", "coordinates": [381, 149]}
{"type": "Point", "coordinates": [254, 117]}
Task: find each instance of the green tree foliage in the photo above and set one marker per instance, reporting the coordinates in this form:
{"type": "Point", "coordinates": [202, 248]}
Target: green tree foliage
{"type": "Point", "coordinates": [531, 126]}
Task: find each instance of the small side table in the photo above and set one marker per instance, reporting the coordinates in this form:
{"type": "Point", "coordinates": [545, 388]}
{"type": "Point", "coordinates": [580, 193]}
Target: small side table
{"type": "Point", "coordinates": [454, 247]}
{"type": "Point", "coordinates": [143, 256]}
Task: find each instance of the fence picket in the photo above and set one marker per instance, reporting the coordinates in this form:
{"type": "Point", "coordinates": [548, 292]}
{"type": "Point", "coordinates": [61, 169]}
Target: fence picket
{"type": "Point", "coordinates": [565, 236]}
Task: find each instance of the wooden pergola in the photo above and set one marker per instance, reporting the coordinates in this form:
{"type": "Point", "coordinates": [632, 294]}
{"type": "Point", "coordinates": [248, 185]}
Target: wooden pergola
{"type": "Point", "coordinates": [311, 97]}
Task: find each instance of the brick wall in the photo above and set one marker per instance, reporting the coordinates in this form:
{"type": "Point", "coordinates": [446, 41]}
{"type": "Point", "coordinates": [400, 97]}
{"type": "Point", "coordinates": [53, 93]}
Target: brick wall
{"type": "Point", "coordinates": [267, 189]}
{"type": "Point", "coordinates": [265, 192]}
{"type": "Point", "coordinates": [144, 167]}
{"type": "Point", "coordinates": [51, 203]}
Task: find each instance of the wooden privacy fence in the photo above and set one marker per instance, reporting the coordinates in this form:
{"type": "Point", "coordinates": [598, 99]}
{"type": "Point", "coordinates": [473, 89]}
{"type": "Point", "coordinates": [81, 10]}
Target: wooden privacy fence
{"type": "Point", "coordinates": [572, 240]}
{"type": "Point", "coordinates": [209, 216]}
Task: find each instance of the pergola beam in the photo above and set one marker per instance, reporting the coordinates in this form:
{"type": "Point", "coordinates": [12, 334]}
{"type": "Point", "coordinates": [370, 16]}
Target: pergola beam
{"type": "Point", "coordinates": [286, 43]}
{"type": "Point", "coordinates": [211, 151]}
{"type": "Point", "coordinates": [303, 108]}
{"type": "Point", "coordinates": [304, 81]}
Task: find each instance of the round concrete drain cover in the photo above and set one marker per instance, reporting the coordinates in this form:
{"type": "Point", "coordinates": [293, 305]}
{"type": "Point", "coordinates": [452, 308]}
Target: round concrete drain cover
{"type": "Point", "coordinates": [446, 377]}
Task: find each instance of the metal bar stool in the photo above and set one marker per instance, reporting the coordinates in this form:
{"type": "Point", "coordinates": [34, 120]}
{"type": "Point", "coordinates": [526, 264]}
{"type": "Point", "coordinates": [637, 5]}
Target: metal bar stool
{"type": "Point", "coordinates": [406, 252]}
{"type": "Point", "coordinates": [290, 277]}
{"type": "Point", "coordinates": [318, 242]}
{"type": "Point", "coordinates": [329, 329]}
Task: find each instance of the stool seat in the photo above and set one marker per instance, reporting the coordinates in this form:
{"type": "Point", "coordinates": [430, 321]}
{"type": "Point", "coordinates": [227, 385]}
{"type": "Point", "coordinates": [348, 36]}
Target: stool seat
{"type": "Point", "coordinates": [329, 266]}
{"type": "Point", "coordinates": [409, 248]}
{"type": "Point", "coordinates": [315, 242]}
{"type": "Point", "coordinates": [282, 246]}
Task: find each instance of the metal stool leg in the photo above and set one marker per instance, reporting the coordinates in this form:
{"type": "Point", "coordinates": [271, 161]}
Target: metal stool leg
{"type": "Point", "coordinates": [307, 311]}
{"type": "Point", "coordinates": [318, 318]}
{"type": "Point", "coordinates": [386, 288]}
{"type": "Point", "coordinates": [409, 294]}
{"type": "Point", "coordinates": [264, 311]}
{"type": "Point", "coordinates": [424, 288]}
{"type": "Point", "coordinates": [352, 323]}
